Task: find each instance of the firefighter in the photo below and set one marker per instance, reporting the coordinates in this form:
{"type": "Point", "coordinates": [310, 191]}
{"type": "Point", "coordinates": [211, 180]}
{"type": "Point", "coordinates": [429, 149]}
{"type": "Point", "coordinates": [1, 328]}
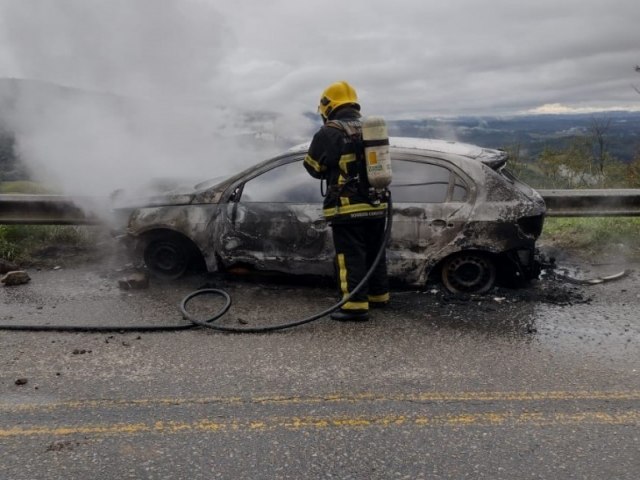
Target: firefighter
{"type": "Point", "coordinates": [336, 156]}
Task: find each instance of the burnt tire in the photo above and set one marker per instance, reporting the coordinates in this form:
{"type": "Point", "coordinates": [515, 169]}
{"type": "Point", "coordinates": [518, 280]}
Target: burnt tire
{"type": "Point", "coordinates": [167, 257]}
{"type": "Point", "coordinates": [469, 272]}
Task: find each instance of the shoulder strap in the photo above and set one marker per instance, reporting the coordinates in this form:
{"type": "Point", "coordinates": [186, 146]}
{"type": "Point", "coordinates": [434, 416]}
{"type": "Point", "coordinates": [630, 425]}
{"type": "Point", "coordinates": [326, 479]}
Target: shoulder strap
{"type": "Point", "coordinates": [352, 129]}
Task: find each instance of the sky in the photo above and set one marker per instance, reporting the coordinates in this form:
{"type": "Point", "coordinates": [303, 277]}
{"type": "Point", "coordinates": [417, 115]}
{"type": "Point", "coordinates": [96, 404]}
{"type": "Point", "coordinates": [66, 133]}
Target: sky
{"type": "Point", "coordinates": [405, 58]}
{"type": "Point", "coordinates": [225, 60]}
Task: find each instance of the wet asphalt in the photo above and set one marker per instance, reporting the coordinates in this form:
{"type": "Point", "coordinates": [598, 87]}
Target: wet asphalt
{"type": "Point", "coordinates": [541, 382]}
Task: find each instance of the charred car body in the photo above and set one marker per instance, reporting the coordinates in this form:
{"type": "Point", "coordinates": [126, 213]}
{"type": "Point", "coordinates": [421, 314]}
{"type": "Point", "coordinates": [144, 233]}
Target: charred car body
{"type": "Point", "coordinates": [457, 213]}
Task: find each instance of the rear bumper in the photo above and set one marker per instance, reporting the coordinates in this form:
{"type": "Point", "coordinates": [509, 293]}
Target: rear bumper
{"type": "Point", "coordinates": [525, 263]}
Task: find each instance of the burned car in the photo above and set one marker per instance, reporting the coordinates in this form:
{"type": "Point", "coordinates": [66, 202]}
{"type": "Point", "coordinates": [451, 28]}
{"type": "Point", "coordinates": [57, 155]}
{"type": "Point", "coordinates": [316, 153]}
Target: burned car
{"type": "Point", "coordinates": [459, 216]}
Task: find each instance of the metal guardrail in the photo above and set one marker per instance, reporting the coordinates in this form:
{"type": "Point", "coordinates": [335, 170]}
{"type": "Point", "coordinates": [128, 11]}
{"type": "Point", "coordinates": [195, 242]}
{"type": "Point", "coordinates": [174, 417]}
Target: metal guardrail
{"type": "Point", "coordinates": [592, 202]}
{"type": "Point", "coordinates": [19, 209]}
{"type": "Point", "coordinates": [64, 210]}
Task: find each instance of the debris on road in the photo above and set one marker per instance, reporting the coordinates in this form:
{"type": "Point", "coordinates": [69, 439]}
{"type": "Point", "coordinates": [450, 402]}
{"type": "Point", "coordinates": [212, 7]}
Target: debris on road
{"type": "Point", "coordinates": [21, 381]}
{"type": "Point", "coordinates": [16, 277]}
{"type": "Point", "coordinates": [592, 281]}
{"type": "Point", "coordinates": [135, 281]}
{"type": "Point", "coordinates": [62, 445]}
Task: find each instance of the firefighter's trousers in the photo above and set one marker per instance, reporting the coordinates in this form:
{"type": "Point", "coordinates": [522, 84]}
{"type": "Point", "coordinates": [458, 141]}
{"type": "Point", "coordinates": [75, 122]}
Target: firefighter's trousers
{"type": "Point", "coordinates": [357, 243]}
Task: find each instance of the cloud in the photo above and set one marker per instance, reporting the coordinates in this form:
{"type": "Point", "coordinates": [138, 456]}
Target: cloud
{"type": "Point", "coordinates": [405, 57]}
{"type": "Point", "coordinates": [141, 48]}
{"type": "Point", "coordinates": [559, 108]}
{"type": "Point", "coordinates": [457, 57]}
{"type": "Point", "coordinates": [148, 97]}
{"type": "Point", "coordinates": [204, 68]}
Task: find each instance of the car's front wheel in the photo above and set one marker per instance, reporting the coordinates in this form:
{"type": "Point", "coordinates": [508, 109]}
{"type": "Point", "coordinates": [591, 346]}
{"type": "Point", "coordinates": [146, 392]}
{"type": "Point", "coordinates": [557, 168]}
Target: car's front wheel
{"type": "Point", "coordinates": [469, 272]}
{"type": "Point", "coordinates": [167, 256]}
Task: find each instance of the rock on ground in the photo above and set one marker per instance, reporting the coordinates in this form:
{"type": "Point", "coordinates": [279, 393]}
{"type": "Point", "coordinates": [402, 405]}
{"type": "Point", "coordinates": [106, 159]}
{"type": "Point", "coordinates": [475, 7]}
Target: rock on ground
{"type": "Point", "coordinates": [135, 281]}
{"type": "Point", "coordinates": [17, 277]}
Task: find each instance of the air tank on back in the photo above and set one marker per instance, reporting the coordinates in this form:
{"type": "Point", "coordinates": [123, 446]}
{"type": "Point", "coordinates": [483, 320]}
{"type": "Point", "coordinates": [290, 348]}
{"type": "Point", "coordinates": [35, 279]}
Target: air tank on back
{"type": "Point", "coordinates": [376, 150]}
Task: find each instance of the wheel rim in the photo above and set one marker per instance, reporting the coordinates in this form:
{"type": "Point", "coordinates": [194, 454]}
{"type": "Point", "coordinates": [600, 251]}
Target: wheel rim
{"type": "Point", "coordinates": [469, 273]}
{"type": "Point", "coordinates": [166, 258]}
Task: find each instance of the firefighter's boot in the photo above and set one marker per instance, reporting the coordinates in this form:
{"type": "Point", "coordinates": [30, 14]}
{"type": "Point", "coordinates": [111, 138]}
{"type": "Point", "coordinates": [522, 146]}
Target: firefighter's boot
{"type": "Point", "coordinates": [350, 315]}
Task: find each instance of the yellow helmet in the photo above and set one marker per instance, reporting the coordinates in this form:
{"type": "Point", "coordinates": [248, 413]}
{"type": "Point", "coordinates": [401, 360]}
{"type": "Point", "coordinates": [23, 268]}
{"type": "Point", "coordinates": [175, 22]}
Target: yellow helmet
{"type": "Point", "coordinates": [336, 94]}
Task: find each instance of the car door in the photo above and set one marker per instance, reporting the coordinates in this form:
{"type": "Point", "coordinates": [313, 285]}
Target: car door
{"type": "Point", "coordinates": [274, 222]}
{"type": "Point", "coordinates": [432, 202]}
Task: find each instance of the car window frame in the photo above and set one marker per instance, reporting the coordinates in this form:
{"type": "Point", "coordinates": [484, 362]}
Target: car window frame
{"type": "Point", "coordinates": [470, 184]}
{"type": "Point", "coordinates": [296, 162]}
{"type": "Point", "coordinates": [234, 191]}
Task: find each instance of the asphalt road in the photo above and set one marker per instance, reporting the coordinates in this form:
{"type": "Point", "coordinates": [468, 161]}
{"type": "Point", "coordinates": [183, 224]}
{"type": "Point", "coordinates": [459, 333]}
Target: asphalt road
{"type": "Point", "coordinates": [542, 382]}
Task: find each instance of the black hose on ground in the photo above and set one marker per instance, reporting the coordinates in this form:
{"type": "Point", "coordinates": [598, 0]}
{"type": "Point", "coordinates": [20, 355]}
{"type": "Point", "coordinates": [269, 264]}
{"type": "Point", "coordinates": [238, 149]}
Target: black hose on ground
{"type": "Point", "coordinates": [208, 322]}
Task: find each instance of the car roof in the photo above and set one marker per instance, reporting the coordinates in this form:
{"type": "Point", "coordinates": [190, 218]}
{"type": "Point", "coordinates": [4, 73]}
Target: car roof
{"type": "Point", "coordinates": [426, 146]}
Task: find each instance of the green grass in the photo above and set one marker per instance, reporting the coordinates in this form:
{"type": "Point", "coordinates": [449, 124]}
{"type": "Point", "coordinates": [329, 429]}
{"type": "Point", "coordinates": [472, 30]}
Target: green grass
{"type": "Point", "coordinates": [33, 244]}
{"type": "Point", "coordinates": [594, 235]}
{"type": "Point", "coordinates": [28, 244]}
{"type": "Point", "coordinates": [24, 186]}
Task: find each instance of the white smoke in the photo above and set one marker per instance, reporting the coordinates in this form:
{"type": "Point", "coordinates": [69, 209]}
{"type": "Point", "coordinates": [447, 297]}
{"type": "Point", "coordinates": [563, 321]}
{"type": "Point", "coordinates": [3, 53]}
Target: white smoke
{"type": "Point", "coordinates": [148, 94]}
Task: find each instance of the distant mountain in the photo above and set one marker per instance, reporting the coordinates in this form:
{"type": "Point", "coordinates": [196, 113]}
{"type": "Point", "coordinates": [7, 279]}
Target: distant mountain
{"type": "Point", "coordinates": [532, 133]}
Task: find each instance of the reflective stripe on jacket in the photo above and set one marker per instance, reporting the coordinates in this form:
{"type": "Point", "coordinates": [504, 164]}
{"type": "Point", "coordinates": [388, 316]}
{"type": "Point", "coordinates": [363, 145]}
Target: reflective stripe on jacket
{"type": "Point", "coordinates": [333, 156]}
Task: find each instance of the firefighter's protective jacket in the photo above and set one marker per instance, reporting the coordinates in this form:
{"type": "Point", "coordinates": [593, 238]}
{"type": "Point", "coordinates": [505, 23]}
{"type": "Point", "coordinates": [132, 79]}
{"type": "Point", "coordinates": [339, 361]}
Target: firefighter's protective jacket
{"type": "Point", "coordinates": [333, 156]}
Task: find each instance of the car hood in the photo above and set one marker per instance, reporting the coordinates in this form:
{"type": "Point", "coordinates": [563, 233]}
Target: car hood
{"type": "Point", "coordinates": [169, 192]}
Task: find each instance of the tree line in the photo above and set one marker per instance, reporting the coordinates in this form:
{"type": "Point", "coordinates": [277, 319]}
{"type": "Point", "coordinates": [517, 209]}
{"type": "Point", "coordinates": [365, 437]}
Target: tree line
{"type": "Point", "coordinates": [585, 162]}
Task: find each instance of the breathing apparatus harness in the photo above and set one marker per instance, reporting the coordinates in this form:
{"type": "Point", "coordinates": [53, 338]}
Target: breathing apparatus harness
{"type": "Point", "coordinates": [358, 183]}
{"type": "Point", "coordinates": [377, 175]}
{"type": "Point", "coordinates": [370, 141]}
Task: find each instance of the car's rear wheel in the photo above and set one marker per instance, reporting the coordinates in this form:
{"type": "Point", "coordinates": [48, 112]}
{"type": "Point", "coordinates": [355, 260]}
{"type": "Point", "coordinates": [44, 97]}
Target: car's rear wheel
{"type": "Point", "coordinates": [469, 272]}
{"type": "Point", "coordinates": [167, 256]}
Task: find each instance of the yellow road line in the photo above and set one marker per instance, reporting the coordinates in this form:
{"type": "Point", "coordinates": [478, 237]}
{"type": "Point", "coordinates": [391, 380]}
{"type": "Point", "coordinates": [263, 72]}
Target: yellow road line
{"type": "Point", "coordinates": [206, 425]}
{"type": "Point", "coordinates": [333, 398]}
